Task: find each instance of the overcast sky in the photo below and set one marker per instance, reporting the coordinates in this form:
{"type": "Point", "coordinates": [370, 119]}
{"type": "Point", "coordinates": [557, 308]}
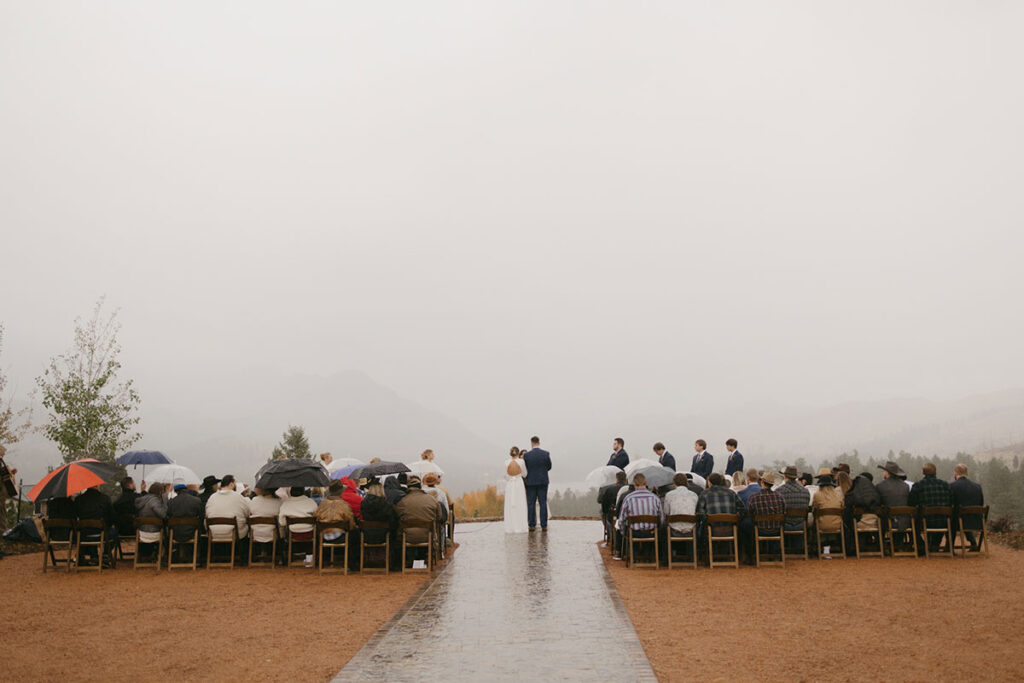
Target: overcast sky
{"type": "Point", "coordinates": [522, 212]}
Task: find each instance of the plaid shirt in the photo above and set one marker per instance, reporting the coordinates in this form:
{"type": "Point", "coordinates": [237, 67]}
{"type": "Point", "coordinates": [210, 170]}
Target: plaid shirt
{"type": "Point", "coordinates": [797, 498]}
{"type": "Point", "coordinates": [767, 502]}
{"type": "Point", "coordinates": [640, 502]}
{"type": "Point", "coordinates": [719, 500]}
{"type": "Point", "coordinates": [931, 492]}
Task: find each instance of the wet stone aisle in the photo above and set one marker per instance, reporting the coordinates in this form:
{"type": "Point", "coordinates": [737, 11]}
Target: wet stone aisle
{"type": "Point", "coordinates": [536, 606]}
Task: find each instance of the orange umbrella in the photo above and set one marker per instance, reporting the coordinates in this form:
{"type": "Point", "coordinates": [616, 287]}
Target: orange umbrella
{"type": "Point", "coordinates": [71, 478]}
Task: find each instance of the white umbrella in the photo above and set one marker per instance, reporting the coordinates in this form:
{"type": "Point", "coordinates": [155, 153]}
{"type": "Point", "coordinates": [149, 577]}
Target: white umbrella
{"type": "Point", "coordinates": [602, 476]}
{"type": "Point", "coordinates": [639, 464]}
{"type": "Point", "coordinates": [338, 463]}
{"type": "Point", "coordinates": [174, 474]}
{"type": "Point", "coordinates": [422, 467]}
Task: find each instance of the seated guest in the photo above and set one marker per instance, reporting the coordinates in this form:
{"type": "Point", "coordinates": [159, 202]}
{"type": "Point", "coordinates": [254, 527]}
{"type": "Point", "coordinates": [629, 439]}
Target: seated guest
{"type": "Point", "coordinates": [417, 506]}
{"type": "Point", "coordinates": [638, 503]}
{"type": "Point", "coordinates": [227, 502]}
{"type": "Point", "coordinates": [753, 486]}
{"type": "Point", "coordinates": [694, 486]}
{"type": "Point", "coordinates": [209, 487]}
{"type": "Point", "coordinates": [335, 511]}
{"type": "Point", "coordinates": [297, 504]}
{"type": "Point", "coordinates": [430, 485]}
{"type": "Point", "coordinates": [931, 492]}
{"type": "Point", "coordinates": [967, 493]}
{"type": "Point", "coordinates": [767, 502]}
{"type": "Point", "coordinates": [95, 505]}
{"type": "Point", "coordinates": [124, 508]}
{"type": "Point", "coordinates": [186, 503]}
{"type": "Point", "coordinates": [795, 495]}
{"type": "Point", "coordinates": [718, 499]}
{"type": "Point", "coordinates": [61, 508]}
{"type": "Point", "coordinates": [894, 493]}
{"type": "Point", "coordinates": [152, 504]}
{"type": "Point", "coordinates": [352, 495]}
{"type": "Point", "coordinates": [394, 488]}
{"type": "Point", "coordinates": [680, 501]}
{"type": "Point", "coordinates": [607, 496]}
{"type": "Point", "coordinates": [264, 504]}
{"type": "Point", "coordinates": [864, 495]}
{"type": "Point", "coordinates": [828, 496]}
{"type": "Point", "coordinates": [376, 508]}
{"type": "Point", "coordinates": [739, 481]}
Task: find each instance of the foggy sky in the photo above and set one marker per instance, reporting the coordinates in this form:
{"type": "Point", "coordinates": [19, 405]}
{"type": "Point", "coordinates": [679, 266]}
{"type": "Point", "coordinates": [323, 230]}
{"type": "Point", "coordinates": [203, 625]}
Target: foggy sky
{"type": "Point", "coordinates": [523, 214]}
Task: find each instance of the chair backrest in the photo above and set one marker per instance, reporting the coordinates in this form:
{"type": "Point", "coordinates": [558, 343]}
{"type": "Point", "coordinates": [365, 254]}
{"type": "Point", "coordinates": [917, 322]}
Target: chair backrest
{"type": "Point", "coordinates": [937, 511]}
{"type": "Point", "coordinates": [148, 521]}
{"type": "Point", "coordinates": [777, 518]}
{"type": "Point", "coordinates": [724, 518]}
{"type": "Point", "coordinates": [58, 523]}
{"type": "Point", "coordinates": [674, 519]}
{"type": "Point", "coordinates": [828, 512]}
{"type": "Point", "coordinates": [367, 524]}
{"type": "Point", "coordinates": [645, 519]}
{"type": "Point", "coordinates": [262, 521]}
{"type": "Point", "coordinates": [92, 524]}
{"type": "Point", "coordinates": [900, 510]}
{"type": "Point", "coordinates": [981, 510]}
{"type": "Point", "coordinates": [413, 524]}
{"type": "Point", "coordinates": [328, 527]}
{"type": "Point", "coordinates": [183, 521]}
{"type": "Point", "coordinates": [797, 513]}
{"type": "Point", "coordinates": [297, 520]}
{"type": "Point", "coordinates": [222, 521]}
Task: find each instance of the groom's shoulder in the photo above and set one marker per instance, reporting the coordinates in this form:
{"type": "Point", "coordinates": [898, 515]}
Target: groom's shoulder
{"type": "Point", "coordinates": [537, 451]}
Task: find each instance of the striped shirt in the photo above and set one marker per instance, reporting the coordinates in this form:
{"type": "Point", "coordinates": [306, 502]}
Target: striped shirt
{"type": "Point", "coordinates": [640, 502]}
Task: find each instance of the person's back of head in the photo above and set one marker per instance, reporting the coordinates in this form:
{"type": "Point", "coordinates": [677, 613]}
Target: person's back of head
{"type": "Point", "coordinates": [659, 447]}
{"type": "Point", "coordinates": [127, 484]}
{"type": "Point", "coordinates": [226, 481]}
{"type": "Point", "coordinates": [680, 480]}
{"type": "Point", "coordinates": [716, 479]}
{"type": "Point", "coordinates": [844, 481]}
{"type": "Point", "coordinates": [768, 479]}
{"type": "Point", "coordinates": [156, 489]}
{"type": "Point", "coordinates": [620, 477]}
{"type": "Point", "coordinates": [929, 469]}
{"type": "Point", "coordinates": [753, 476]}
{"type": "Point", "coordinates": [738, 478]}
{"type": "Point", "coordinates": [639, 480]}
{"type": "Point", "coordinates": [960, 471]}
{"type": "Point", "coordinates": [806, 479]}
{"type": "Point", "coordinates": [297, 492]}
{"type": "Point", "coordinates": [335, 489]}
{"type": "Point", "coordinates": [535, 440]}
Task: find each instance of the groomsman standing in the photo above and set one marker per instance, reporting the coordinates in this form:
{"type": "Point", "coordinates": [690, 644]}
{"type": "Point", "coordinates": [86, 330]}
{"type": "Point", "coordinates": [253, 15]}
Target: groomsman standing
{"type": "Point", "coordinates": [735, 461]}
{"type": "Point", "coordinates": [664, 457]}
{"type": "Point", "coordinates": [619, 457]}
{"type": "Point", "coordinates": [703, 462]}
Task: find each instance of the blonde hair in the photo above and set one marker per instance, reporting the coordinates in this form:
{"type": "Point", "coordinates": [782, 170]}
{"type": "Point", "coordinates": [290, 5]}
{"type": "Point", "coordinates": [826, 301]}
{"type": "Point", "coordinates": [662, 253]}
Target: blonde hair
{"type": "Point", "coordinates": [427, 454]}
{"type": "Point", "coordinates": [844, 481]}
{"type": "Point", "coordinates": [375, 490]}
{"type": "Point", "coordinates": [738, 479]}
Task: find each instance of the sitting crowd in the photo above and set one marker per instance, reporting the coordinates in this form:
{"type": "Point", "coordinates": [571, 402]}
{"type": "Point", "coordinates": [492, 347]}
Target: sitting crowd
{"type": "Point", "coordinates": [761, 498]}
{"type": "Point", "coordinates": [379, 511]}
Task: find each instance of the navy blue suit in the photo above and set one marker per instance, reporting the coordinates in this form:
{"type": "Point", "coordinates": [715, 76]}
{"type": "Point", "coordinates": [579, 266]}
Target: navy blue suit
{"type": "Point", "coordinates": [734, 463]}
{"type": "Point", "coordinates": [706, 465]}
{"type": "Point", "coordinates": [538, 462]}
{"type": "Point", "coordinates": [620, 459]}
{"type": "Point", "coordinates": [668, 460]}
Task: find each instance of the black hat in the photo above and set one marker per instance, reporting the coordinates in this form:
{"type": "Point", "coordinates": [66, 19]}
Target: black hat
{"type": "Point", "coordinates": [893, 469]}
{"type": "Point", "coordinates": [209, 481]}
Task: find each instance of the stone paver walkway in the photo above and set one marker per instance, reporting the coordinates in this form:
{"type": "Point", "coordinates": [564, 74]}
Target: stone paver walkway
{"type": "Point", "coordinates": [537, 606]}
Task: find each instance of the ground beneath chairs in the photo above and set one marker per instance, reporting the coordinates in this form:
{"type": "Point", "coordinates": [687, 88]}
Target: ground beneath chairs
{"type": "Point", "coordinates": [535, 606]}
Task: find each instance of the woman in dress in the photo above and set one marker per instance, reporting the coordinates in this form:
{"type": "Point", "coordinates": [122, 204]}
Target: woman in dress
{"type": "Point", "coordinates": [515, 493]}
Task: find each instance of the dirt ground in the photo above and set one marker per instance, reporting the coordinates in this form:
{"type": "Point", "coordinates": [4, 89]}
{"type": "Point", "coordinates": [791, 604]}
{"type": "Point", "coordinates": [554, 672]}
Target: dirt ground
{"type": "Point", "coordinates": [836, 620]}
{"type": "Point", "coordinates": [252, 624]}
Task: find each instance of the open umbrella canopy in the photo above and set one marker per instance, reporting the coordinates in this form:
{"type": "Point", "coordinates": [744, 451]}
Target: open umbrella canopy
{"type": "Point", "coordinates": [72, 478]}
{"type": "Point", "coordinates": [143, 458]}
{"type": "Point", "coordinates": [379, 469]}
{"type": "Point", "coordinates": [657, 476]}
{"type": "Point", "coordinates": [345, 471]}
{"type": "Point", "coordinates": [602, 476]}
{"type": "Point", "coordinates": [422, 467]}
{"type": "Point", "coordinates": [289, 472]}
{"type": "Point", "coordinates": [173, 474]}
{"type": "Point", "coordinates": [639, 464]}
{"type": "Point", "coordinates": [698, 480]}
{"type": "Point", "coordinates": [341, 463]}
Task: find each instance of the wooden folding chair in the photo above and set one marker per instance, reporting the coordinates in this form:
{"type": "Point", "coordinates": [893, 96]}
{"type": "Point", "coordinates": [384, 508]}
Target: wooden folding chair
{"type": "Point", "coordinates": [51, 545]}
{"type": "Point", "coordinates": [212, 543]}
{"type": "Point", "coordinates": [857, 531]}
{"type": "Point", "coordinates": [823, 513]}
{"type": "Point", "coordinates": [671, 541]}
{"type": "Point", "coordinates": [642, 540]}
{"type": "Point", "coordinates": [262, 522]}
{"type": "Point", "coordinates": [930, 529]}
{"type": "Point", "coordinates": [962, 543]}
{"type": "Point", "coordinates": [406, 544]}
{"type": "Point", "coordinates": [451, 521]}
{"type": "Point", "coordinates": [797, 515]}
{"type": "Point", "coordinates": [174, 544]}
{"type": "Point", "coordinates": [332, 545]}
{"type": "Point", "coordinates": [85, 540]}
{"type": "Point", "coordinates": [769, 537]}
{"type": "Point", "coordinates": [139, 543]}
{"type": "Point", "coordinates": [892, 532]}
{"type": "Point", "coordinates": [300, 537]}
{"type": "Point", "coordinates": [731, 521]}
{"type": "Point", "coordinates": [124, 522]}
{"type": "Point", "coordinates": [363, 545]}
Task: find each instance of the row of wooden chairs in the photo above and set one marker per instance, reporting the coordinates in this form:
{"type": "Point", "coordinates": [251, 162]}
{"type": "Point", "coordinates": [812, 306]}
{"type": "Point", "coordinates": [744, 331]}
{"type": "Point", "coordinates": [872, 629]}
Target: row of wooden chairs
{"type": "Point", "coordinates": [724, 529]}
{"type": "Point", "coordinates": [72, 546]}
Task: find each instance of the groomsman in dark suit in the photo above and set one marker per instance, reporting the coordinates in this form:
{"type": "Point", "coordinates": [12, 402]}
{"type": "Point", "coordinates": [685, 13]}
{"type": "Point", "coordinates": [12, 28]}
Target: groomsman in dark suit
{"type": "Point", "coordinates": [538, 464]}
{"type": "Point", "coordinates": [703, 462]}
{"type": "Point", "coordinates": [664, 457]}
{"type": "Point", "coordinates": [735, 461]}
{"type": "Point", "coordinates": [619, 457]}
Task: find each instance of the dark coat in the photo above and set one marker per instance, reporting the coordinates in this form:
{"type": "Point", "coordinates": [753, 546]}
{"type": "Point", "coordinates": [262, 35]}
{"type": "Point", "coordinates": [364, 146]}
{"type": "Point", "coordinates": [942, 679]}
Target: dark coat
{"type": "Point", "coordinates": [185, 504]}
{"type": "Point", "coordinates": [619, 459]}
{"type": "Point", "coordinates": [967, 493]}
{"type": "Point", "coordinates": [538, 462]}
{"type": "Point", "coordinates": [734, 463]}
{"type": "Point", "coordinates": [668, 460]}
{"type": "Point", "coordinates": [705, 467]}
{"type": "Point", "coordinates": [893, 492]}
{"type": "Point", "coordinates": [377, 509]}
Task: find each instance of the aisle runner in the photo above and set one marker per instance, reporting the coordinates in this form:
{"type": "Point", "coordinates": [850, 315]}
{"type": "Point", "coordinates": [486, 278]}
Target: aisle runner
{"type": "Point", "coordinates": [526, 606]}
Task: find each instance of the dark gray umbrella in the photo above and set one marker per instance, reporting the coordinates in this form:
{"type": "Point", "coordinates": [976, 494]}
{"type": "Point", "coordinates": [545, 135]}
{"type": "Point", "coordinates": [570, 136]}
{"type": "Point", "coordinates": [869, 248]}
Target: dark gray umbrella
{"type": "Point", "coordinates": [379, 469]}
{"type": "Point", "coordinates": [657, 476]}
{"type": "Point", "coordinates": [287, 473]}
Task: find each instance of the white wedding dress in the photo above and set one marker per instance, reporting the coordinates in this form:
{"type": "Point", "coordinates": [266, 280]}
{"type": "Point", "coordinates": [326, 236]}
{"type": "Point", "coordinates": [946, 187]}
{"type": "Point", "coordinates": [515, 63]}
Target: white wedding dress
{"type": "Point", "coordinates": [515, 499]}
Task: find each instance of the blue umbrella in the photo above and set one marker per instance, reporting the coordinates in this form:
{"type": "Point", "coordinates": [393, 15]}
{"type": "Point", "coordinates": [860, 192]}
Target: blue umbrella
{"type": "Point", "coordinates": [345, 471]}
{"type": "Point", "coordinates": [143, 458]}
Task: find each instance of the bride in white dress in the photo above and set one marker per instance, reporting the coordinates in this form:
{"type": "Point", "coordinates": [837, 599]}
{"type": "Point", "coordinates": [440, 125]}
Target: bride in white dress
{"type": "Point", "coordinates": [515, 493]}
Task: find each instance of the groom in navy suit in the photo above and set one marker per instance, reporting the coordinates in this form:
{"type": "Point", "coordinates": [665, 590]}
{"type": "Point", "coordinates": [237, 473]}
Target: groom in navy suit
{"type": "Point", "coordinates": [538, 462]}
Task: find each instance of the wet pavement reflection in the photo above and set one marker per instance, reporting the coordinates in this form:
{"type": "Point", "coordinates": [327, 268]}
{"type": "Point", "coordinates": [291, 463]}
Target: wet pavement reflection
{"type": "Point", "coordinates": [512, 606]}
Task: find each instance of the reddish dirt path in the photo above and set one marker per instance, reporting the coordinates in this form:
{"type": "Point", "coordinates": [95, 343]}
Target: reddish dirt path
{"type": "Point", "coordinates": [250, 624]}
{"type": "Point", "coordinates": [839, 620]}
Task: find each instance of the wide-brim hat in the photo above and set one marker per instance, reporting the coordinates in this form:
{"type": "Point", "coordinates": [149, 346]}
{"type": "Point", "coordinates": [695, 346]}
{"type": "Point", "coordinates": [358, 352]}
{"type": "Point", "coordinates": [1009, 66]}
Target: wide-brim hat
{"type": "Point", "coordinates": [825, 479]}
{"type": "Point", "coordinates": [790, 472]}
{"type": "Point", "coordinates": [893, 469]}
{"type": "Point", "coordinates": [209, 480]}
{"type": "Point", "coordinates": [431, 479]}
{"type": "Point", "coordinates": [822, 471]}
{"type": "Point", "coordinates": [413, 482]}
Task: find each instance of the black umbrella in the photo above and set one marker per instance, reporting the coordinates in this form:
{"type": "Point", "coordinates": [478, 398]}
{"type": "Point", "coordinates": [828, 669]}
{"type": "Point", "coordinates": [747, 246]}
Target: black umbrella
{"type": "Point", "coordinates": [379, 469]}
{"type": "Point", "coordinates": [288, 473]}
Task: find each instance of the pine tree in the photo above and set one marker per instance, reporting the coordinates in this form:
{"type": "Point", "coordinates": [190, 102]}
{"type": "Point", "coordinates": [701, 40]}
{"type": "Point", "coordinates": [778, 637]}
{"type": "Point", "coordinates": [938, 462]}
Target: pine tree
{"type": "Point", "coordinates": [294, 445]}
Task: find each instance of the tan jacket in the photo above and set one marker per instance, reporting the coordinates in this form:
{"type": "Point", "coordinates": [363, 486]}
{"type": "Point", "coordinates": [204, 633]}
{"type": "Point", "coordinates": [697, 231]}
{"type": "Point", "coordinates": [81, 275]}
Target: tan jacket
{"type": "Point", "coordinates": [417, 506]}
{"type": "Point", "coordinates": [336, 511]}
{"type": "Point", "coordinates": [829, 497]}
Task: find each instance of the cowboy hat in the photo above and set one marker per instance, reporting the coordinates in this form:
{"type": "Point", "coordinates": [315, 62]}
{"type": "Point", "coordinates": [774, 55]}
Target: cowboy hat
{"type": "Point", "coordinates": [893, 469]}
{"type": "Point", "coordinates": [790, 471]}
{"type": "Point", "coordinates": [823, 471]}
